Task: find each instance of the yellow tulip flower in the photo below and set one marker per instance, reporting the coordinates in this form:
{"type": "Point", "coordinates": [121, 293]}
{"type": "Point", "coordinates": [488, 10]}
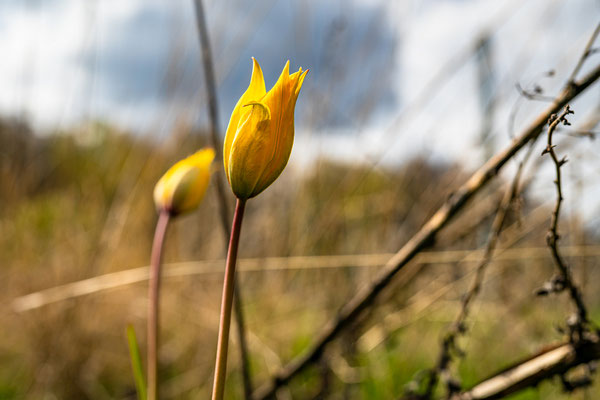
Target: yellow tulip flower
{"type": "Point", "coordinates": [182, 187]}
{"type": "Point", "coordinates": [260, 133]}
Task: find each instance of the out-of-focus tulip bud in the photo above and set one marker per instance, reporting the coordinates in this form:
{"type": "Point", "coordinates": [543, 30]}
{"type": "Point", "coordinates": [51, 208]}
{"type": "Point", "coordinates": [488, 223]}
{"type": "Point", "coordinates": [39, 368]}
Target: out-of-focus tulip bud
{"type": "Point", "coordinates": [182, 187]}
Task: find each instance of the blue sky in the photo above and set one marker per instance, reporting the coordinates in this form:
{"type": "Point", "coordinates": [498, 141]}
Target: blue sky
{"type": "Point", "coordinates": [135, 64]}
{"type": "Point", "coordinates": [131, 62]}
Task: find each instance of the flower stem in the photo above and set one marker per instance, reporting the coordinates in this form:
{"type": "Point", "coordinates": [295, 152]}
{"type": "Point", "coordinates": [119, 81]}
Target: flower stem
{"type": "Point", "coordinates": [226, 302]}
{"type": "Point", "coordinates": [153, 293]}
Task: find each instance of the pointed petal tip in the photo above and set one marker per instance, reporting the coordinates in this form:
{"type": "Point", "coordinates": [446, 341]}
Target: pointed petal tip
{"type": "Point", "coordinates": [286, 68]}
{"type": "Point", "coordinates": [255, 66]}
{"type": "Point", "coordinates": [300, 82]}
{"type": "Point", "coordinates": [257, 81]}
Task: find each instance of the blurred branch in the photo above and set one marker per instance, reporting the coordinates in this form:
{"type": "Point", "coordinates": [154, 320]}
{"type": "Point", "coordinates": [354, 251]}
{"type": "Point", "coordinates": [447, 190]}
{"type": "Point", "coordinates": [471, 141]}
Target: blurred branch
{"type": "Point", "coordinates": [586, 129]}
{"type": "Point", "coordinates": [224, 213]}
{"type": "Point", "coordinates": [425, 95]}
{"type": "Point", "coordinates": [556, 360]}
{"type": "Point", "coordinates": [394, 321]}
{"type": "Point", "coordinates": [582, 134]}
{"type": "Point", "coordinates": [588, 51]}
{"type": "Point", "coordinates": [535, 94]}
{"type": "Point", "coordinates": [458, 328]}
{"type": "Point", "coordinates": [421, 240]}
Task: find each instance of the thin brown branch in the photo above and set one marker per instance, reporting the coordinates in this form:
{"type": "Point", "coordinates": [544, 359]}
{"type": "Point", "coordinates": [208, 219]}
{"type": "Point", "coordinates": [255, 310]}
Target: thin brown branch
{"type": "Point", "coordinates": [566, 280]}
{"type": "Point", "coordinates": [421, 240]}
{"type": "Point", "coordinates": [535, 94]}
{"type": "Point", "coordinates": [213, 113]}
{"type": "Point", "coordinates": [458, 328]}
{"type": "Point", "coordinates": [588, 51]}
{"type": "Point", "coordinates": [553, 361]}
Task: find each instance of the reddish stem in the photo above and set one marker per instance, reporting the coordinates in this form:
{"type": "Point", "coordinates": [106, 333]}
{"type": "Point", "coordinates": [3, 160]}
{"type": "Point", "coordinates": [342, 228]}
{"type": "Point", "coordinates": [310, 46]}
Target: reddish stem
{"type": "Point", "coordinates": [226, 302]}
{"type": "Point", "coordinates": [153, 299]}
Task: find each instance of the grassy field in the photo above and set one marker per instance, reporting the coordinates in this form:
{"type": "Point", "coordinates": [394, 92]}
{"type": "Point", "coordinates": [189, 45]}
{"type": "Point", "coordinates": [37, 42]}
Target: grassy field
{"type": "Point", "coordinates": [78, 204]}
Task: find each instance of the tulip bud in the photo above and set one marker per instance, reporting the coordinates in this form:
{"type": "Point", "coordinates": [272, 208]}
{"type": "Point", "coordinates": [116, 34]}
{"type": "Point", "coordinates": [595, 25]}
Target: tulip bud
{"type": "Point", "coordinates": [260, 133]}
{"type": "Point", "coordinates": [182, 187]}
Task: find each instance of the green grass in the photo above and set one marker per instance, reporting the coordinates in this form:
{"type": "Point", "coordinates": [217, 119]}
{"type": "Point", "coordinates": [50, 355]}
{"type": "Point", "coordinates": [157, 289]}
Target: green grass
{"type": "Point", "coordinates": [84, 207]}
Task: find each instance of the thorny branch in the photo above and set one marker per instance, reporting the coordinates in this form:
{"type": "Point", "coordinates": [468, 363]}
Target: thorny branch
{"type": "Point", "coordinates": [421, 240]}
{"type": "Point", "coordinates": [458, 327]}
{"type": "Point", "coordinates": [565, 280]}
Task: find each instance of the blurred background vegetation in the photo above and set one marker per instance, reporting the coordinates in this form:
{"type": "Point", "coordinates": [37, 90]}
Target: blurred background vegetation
{"type": "Point", "coordinates": [402, 102]}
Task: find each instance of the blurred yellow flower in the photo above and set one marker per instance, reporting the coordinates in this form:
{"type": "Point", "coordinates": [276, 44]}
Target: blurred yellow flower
{"type": "Point", "coordinates": [183, 186]}
{"type": "Point", "coordinates": [260, 133]}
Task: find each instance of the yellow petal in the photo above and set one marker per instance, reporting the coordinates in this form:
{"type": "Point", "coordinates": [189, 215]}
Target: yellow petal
{"type": "Point", "coordinates": [258, 148]}
{"type": "Point", "coordinates": [282, 99]}
{"type": "Point", "coordinates": [250, 150]}
{"type": "Point", "coordinates": [300, 82]}
{"type": "Point", "coordinates": [182, 187]}
{"type": "Point", "coordinates": [256, 90]}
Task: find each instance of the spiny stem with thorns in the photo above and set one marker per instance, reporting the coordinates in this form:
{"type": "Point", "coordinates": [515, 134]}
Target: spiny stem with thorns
{"type": "Point", "coordinates": [226, 303]}
{"type": "Point", "coordinates": [553, 236]}
{"type": "Point", "coordinates": [458, 326]}
{"type": "Point", "coordinates": [153, 302]}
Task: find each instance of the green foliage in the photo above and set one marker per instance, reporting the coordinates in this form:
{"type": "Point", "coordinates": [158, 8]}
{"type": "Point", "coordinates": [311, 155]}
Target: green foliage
{"type": "Point", "coordinates": [79, 204]}
{"type": "Point", "coordinates": [136, 363]}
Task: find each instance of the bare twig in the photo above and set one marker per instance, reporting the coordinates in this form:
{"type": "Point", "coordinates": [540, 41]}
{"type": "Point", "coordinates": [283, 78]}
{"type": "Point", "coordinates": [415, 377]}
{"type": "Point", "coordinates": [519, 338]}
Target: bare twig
{"type": "Point", "coordinates": [588, 51]}
{"type": "Point", "coordinates": [581, 133]}
{"type": "Point", "coordinates": [419, 302]}
{"type": "Point", "coordinates": [536, 94]}
{"type": "Point", "coordinates": [555, 360]}
{"type": "Point", "coordinates": [224, 213]}
{"type": "Point", "coordinates": [566, 280]}
{"type": "Point", "coordinates": [421, 240]}
{"type": "Point", "coordinates": [529, 95]}
{"type": "Point", "coordinates": [408, 113]}
{"type": "Point", "coordinates": [458, 327]}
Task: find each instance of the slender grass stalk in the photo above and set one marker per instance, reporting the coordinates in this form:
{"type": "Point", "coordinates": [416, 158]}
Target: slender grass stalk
{"type": "Point", "coordinates": [226, 303]}
{"type": "Point", "coordinates": [213, 113]}
{"type": "Point", "coordinates": [153, 298]}
{"type": "Point", "coordinates": [136, 364]}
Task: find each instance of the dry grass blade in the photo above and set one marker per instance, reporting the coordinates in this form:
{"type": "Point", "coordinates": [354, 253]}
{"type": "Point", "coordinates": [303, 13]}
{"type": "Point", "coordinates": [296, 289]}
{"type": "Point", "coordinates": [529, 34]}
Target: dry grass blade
{"type": "Point", "coordinates": [127, 277]}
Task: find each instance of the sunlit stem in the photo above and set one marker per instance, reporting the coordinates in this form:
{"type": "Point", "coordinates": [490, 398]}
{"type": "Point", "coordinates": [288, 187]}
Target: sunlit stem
{"type": "Point", "coordinates": [226, 302]}
{"type": "Point", "coordinates": [153, 299]}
